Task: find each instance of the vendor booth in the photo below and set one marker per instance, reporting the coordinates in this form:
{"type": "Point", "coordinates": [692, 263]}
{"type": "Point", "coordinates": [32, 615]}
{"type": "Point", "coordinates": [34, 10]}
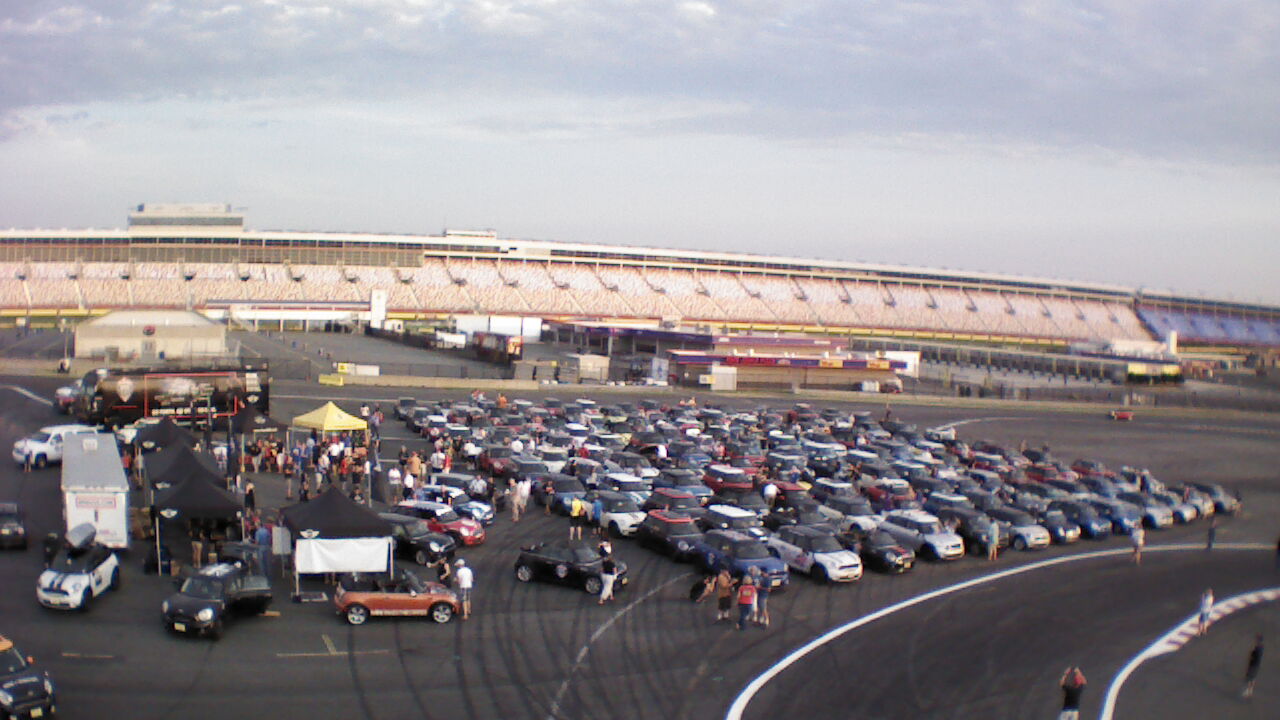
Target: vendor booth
{"type": "Point", "coordinates": [335, 535]}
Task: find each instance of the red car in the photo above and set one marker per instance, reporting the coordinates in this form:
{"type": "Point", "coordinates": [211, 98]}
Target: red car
{"type": "Point", "coordinates": [725, 477]}
{"type": "Point", "coordinates": [1124, 415]}
{"type": "Point", "coordinates": [497, 460]}
{"type": "Point", "coordinates": [443, 519]}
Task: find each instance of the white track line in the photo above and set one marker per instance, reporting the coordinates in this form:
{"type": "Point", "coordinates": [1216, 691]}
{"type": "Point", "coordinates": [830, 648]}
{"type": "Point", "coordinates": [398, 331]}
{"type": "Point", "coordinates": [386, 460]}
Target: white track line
{"type": "Point", "coordinates": [740, 703]}
{"type": "Point", "coordinates": [969, 421]}
{"type": "Point", "coordinates": [27, 393]}
{"type": "Point", "coordinates": [554, 712]}
{"type": "Point", "coordinates": [1173, 640]}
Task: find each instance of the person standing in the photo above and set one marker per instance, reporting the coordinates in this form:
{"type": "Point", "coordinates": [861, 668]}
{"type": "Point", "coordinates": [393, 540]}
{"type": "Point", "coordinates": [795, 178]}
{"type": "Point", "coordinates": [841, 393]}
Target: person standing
{"type": "Point", "coordinates": [1206, 607]}
{"type": "Point", "coordinates": [1251, 670]}
{"type": "Point", "coordinates": [577, 518]}
{"type": "Point", "coordinates": [250, 496]}
{"type": "Point", "coordinates": [724, 594]}
{"type": "Point", "coordinates": [746, 601]}
{"type": "Point", "coordinates": [1137, 538]}
{"type": "Point", "coordinates": [1072, 684]}
{"type": "Point", "coordinates": [993, 539]}
{"type": "Point", "coordinates": [1212, 533]}
{"type": "Point", "coordinates": [608, 573]}
{"type": "Point", "coordinates": [762, 599]}
{"type": "Point", "coordinates": [465, 582]}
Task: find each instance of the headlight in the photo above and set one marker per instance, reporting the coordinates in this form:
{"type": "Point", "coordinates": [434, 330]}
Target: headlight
{"type": "Point", "coordinates": [435, 547]}
{"type": "Point", "coordinates": [205, 615]}
{"type": "Point", "coordinates": [164, 606]}
{"type": "Point", "coordinates": [5, 698]}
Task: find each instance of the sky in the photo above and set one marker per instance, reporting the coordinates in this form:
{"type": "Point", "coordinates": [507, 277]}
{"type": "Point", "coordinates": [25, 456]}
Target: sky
{"type": "Point", "coordinates": [1133, 142]}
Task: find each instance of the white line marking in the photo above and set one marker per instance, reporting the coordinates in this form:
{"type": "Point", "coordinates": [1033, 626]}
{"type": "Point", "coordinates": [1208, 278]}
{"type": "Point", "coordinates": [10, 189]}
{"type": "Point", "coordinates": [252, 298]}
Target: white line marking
{"type": "Point", "coordinates": [87, 656]}
{"type": "Point", "coordinates": [339, 653]}
{"type": "Point", "coordinates": [1173, 640]}
{"type": "Point", "coordinates": [967, 421]}
{"type": "Point", "coordinates": [27, 393]}
{"type": "Point", "coordinates": [554, 712]}
{"type": "Point", "coordinates": [740, 703]}
{"type": "Point", "coordinates": [328, 643]}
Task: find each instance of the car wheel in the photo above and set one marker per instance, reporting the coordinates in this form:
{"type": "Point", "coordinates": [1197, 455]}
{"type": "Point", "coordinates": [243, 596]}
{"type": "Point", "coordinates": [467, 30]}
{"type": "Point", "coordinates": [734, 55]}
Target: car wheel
{"type": "Point", "coordinates": [592, 585]}
{"type": "Point", "coordinates": [442, 612]}
{"type": "Point", "coordinates": [929, 552]}
{"type": "Point", "coordinates": [614, 530]}
{"type": "Point", "coordinates": [115, 579]}
{"type": "Point", "coordinates": [215, 630]}
{"type": "Point", "coordinates": [524, 573]}
{"type": "Point", "coordinates": [357, 614]}
{"type": "Point", "coordinates": [820, 574]}
{"type": "Point", "coordinates": [421, 558]}
{"type": "Point", "coordinates": [1019, 543]}
{"type": "Point", "coordinates": [41, 461]}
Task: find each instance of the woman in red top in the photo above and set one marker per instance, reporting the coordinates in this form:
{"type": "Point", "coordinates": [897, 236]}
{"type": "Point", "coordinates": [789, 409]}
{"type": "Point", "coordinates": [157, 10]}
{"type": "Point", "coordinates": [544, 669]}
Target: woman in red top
{"type": "Point", "coordinates": [746, 601]}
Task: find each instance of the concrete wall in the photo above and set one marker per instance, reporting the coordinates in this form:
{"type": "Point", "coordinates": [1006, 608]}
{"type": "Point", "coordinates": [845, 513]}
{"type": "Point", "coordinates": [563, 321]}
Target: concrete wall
{"type": "Point", "coordinates": [169, 341]}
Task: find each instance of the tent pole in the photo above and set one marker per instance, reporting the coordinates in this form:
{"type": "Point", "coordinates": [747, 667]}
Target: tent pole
{"type": "Point", "coordinates": [157, 522]}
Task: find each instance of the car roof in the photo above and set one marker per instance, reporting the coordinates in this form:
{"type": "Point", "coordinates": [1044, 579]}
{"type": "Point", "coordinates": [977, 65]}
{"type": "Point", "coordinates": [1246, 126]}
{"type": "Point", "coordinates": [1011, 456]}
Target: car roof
{"type": "Point", "coordinates": [804, 530]}
{"type": "Point", "coordinates": [917, 515]}
{"type": "Point", "coordinates": [672, 516]}
{"type": "Point", "coordinates": [730, 511]}
{"type": "Point", "coordinates": [732, 535]}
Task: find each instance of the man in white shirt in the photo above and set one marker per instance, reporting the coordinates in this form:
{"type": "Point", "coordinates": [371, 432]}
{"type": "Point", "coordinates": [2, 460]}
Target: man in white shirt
{"type": "Point", "coordinates": [408, 486]}
{"type": "Point", "coordinates": [465, 582]}
{"type": "Point", "coordinates": [517, 447]}
{"type": "Point", "coordinates": [437, 461]}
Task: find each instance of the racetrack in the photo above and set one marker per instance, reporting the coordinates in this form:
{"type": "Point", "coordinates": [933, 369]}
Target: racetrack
{"type": "Point", "coordinates": [537, 651]}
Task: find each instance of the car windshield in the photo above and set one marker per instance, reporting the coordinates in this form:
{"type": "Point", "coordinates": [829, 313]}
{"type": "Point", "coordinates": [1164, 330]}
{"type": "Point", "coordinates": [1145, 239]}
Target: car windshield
{"type": "Point", "coordinates": [447, 516]}
{"type": "Point", "coordinates": [683, 502]}
{"type": "Point", "coordinates": [750, 551]}
{"type": "Point", "coordinates": [825, 544]}
{"type": "Point", "coordinates": [745, 522]}
{"type": "Point", "coordinates": [569, 486]}
{"type": "Point", "coordinates": [584, 556]}
{"type": "Point", "coordinates": [622, 505]}
{"type": "Point", "coordinates": [40, 437]}
{"type": "Point", "coordinates": [1018, 518]}
{"type": "Point", "coordinates": [11, 661]}
{"type": "Point", "coordinates": [684, 529]}
{"type": "Point", "coordinates": [69, 562]}
{"type": "Point", "coordinates": [685, 480]}
{"type": "Point", "coordinates": [882, 539]}
{"type": "Point", "coordinates": [499, 452]}
{"type": "Point", "coordinates": [930, 528]}
{"type": "Point", "coordinates": [629, 485]}
{"type": "Point", "coordinates": [201, 588]}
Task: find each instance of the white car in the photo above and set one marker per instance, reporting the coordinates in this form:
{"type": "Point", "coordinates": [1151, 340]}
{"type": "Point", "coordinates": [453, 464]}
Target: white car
{"type": "Point", "coordinates": [815, 553]}
{"type": "Point", "coordinates": [921, 533]}
{"type": "Point", "coordinates": [555, 458]}
{"type": "Point", "coordinates": [81, 571]}
{"type": "Point", "coordinates": [619, 513]}
{"type": "Point", "coordinates": [45, 447]}
{"type": "Point", "coordinates": [1024, 532]}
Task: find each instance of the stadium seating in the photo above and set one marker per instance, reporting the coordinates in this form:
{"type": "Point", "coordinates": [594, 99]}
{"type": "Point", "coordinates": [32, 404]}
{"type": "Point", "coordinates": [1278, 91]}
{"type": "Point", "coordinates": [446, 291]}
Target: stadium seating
{"type": "Point", "coordinates": [1197, 327]}
{"type": "Point", "coordinates": [537, 288]}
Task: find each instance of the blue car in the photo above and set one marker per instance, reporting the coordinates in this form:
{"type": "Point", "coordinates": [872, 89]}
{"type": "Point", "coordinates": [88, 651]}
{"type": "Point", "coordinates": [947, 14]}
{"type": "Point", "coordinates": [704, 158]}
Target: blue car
{"type": "Point", "coordinates": [687, 480]}
{"type": "Point", "coordinates": [1091, 524]}
{"type": "Point", "coordinates": [739, 552]}
{"type": "Point", "coordinates": [1123, 516]}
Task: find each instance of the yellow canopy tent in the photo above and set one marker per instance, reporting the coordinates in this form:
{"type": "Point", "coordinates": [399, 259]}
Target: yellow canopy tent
{"type": "Point", "coordinates": [329, 418]}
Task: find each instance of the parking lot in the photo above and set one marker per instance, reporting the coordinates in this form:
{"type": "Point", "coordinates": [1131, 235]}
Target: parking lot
{"type": "Point", "coordinates": [536, 650]}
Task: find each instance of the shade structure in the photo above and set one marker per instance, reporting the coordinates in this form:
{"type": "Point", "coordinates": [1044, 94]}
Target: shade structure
{"type": "Point", "coordinates": [161, 435]}
{"type": "Point", "coordinates": [178, 463]}
{"type": "Point", "coordinates": [336, 535]}
{"type": "Point", "coordinates": [251, 420]}
{"type": "Point", "coordinates": [197, 498]}
{"type": "Point", "coordinates": [329, 418]}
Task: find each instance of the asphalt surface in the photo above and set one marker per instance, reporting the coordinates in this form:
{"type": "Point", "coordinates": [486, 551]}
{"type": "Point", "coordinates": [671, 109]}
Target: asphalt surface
{"type": "Point", "coordinates": [539, 651]}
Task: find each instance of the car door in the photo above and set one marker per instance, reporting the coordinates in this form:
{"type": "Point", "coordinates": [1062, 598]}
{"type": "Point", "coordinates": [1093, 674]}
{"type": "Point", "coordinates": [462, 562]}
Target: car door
{"type": "Point", "coordinates": [797, 547]}
{"type": "Point", "coordinates": [100, 572]}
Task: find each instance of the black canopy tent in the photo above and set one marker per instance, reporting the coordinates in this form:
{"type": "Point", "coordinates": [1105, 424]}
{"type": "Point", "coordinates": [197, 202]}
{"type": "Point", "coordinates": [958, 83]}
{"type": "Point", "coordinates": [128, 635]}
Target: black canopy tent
{"type": "Point", "coordinates": [175, 463]}
{"type": "Point", "coordinates": [195, 497]}
{"type": "Point", "coordinates": [160, 435]}
{"type": "Point", "coordinates": [334, 534]}
{"type": "Point", "coordinates": [250, 420]}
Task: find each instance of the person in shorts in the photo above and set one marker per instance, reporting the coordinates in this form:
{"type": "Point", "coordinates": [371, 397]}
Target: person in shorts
{"type": "Point", "coordinates": [464, 580]}
{"type": "Point", "coordinates": [724, 595]}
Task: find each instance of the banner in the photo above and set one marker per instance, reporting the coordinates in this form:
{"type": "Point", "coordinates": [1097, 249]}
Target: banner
{"type": "Point", "coordinates": [343, 555]}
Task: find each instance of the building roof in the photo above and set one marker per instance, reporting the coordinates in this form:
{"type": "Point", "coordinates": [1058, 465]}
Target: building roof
{"type": "Point", "coordinates": [135, 318]}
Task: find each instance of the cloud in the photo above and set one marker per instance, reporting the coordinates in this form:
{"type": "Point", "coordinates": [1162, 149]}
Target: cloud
{"type": "Point", "coordinates": [1198, 80]}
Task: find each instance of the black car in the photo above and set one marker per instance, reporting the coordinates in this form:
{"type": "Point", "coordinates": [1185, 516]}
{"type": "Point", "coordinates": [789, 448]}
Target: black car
{"type": "Point", "coordinates": [806, 517]}
{"type": "Point", "coordinates": [1092, 525]}
{"type": "Point", "coordinates": [25, 691]}
{"type": "Point", "coordinates": [206, 599]}
{"type": "Point", "coordinates": [568, 562]}
{"type": "Point", "coordinates": [879, 551]}
{"type": "Point", "coordinates": [13, 528]}
{"type": "Point", "coordinates": [415, 540]}
{"type": "Point", "coordinates": [670, 533]}
{"type": "Point", "coordinates": [1061, 530]}
{"type": "Point", "coordinates": [749, 500]}
{"type": "Point", "coordinates": [672, 499]}
{"type": "Point", "coordinates": [972, 526]}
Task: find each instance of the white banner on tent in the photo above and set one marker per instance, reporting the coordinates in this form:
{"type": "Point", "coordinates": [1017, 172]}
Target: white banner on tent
{"type": "Point", "coordinates": [343, 555]}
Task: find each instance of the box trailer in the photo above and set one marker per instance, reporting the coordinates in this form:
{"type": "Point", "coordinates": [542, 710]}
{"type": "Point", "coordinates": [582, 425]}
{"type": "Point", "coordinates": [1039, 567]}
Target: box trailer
{"type": "Point", "coordinates": [95, 489]}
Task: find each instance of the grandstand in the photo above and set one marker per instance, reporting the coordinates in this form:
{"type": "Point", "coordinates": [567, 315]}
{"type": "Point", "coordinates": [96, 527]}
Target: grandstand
{"type": "Point", "coordinates": [202, 257]}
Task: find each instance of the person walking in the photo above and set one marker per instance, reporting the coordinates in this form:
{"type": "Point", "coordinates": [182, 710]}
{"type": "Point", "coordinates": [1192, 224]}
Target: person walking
{"type": "Point", "coordinates": [1072, 684]}
{"type": "Point", "coordinates": [250, 496]}
{"type": "Point", "coordinates": [724, 594]}
{"type": "Point", "coordinates": [1137, 538]}
{"type": "Point", "coordinates": [746, 601]}
{"type": "Point", "coordinates": [1251, 670]}
{"type": "Point", "coordinates": [1212, 533]}
{"type": "Point", "coordinates": [444, 572]}
{"type": "Point", "coordinates": [762, 599]}
{"type": "Point", "coordinates": [465, 581]}
{"type": "Point", "coordinates": [608, 573]}
{"type": "Point", "coordinates": [1206, 607]}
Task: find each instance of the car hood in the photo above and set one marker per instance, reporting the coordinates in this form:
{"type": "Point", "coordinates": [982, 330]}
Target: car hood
{"type": "Point", "coordinates": [769, 565]}
{"type": "Point", "coordinates": [1030, 529]}
{"type": "Point", "coordinates": [944, 538]}
{"type": "Point", "coordinates": [180, 604]}
{"type": "Point", "coordinates": [69, 582]}
{"type": "Point", "coordinates": [839, 558]}
{"type": "Point", "coordinates": [25, 686]}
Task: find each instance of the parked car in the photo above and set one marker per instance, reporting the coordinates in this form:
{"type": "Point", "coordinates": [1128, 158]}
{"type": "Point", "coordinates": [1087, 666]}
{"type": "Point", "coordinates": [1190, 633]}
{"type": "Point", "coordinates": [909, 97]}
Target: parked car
{"type": "Point", "coordinates": [845, 512]}
{"type": "Point", "coordinates": [360, 597]}
{"type": "Point", "coordinates": [1223, 501]}
{"type": "Point", "coordinates": [1061, 530]}
{"type": "Point", "coordinates": [728, 517]}
{"type": "Point", "coordinates": [45, 446]}
{"type": "Point", "coordinates": [1183, 511]}
{"type": "Point", "coordinates": [689, 481]}
{"type": "Point", "coordinates": [816, 553]}
{"type": "Point", "coordinates": [923, 534]}
{"type": "Point", "coordinates": [207, 599]}
{"type": "Point", "coordinates": [459, 500]}
{"type": "Point", "coordinates": [566, 562]}
{"type": "Point", "coordinates": [404, 406]}
{"type": "Point", "coordinates": [671, 533]}
{"type": "Point", "coordinates": [1025, 533]}
{"type": "Point", "coordinates": [557, 491]}
{"type": "Point", "coordinates": [26, 691]}
{"type": "Point", "coordinates": [738, 552]}
{"type": "Point", "coordinates": [13, 526]}
{"type": "Point", "coordinates": [1091, 524]}
{"type": "Point", "coordinates": [880, 551]}
{"type": "Point", "coordinates": [414, 539]}
{"type": "Point", "coordinates": [1155, 514]}
{"type": "Point", "coordinates": [1123, 516]}
{"type": "Point", "coordinates": [725, 477]}
{"type": "Point", "coordinates": [81, 570]}
{"type": "Point", "coordinates": [619, 514]}
{"type": "Point", "coordinates": [442, 519]}
{"type": "Point", "coordinates": [672, 499]}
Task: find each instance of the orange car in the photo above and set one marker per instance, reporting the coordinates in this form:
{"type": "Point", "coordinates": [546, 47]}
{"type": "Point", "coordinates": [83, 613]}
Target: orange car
{"type": "Point", "coordinates": [361, 596]}
{"type": "Point", "coordinates": [1124, 415]}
